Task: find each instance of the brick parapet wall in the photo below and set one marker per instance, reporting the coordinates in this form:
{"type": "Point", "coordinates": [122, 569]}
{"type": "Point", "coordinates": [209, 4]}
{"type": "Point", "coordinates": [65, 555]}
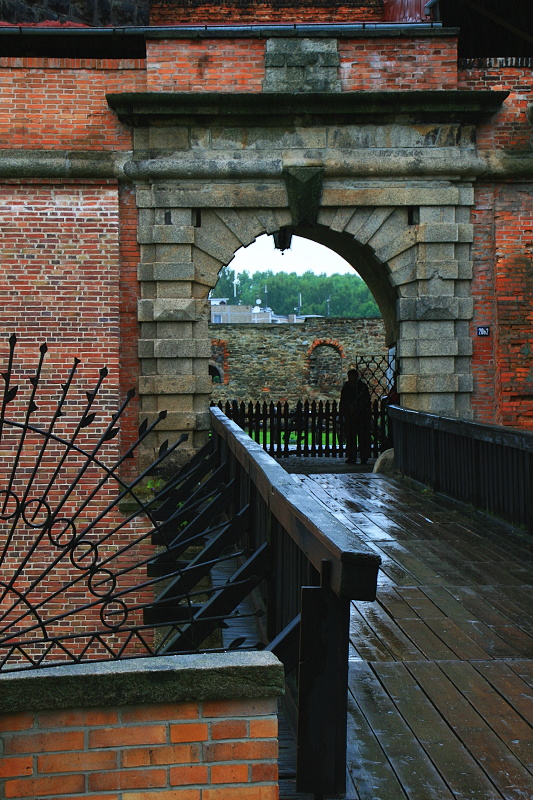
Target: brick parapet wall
{"type": "Point", "coordinates": [211, 65]}
{"type": "Point", "coordinates": [60, 103]}
{"type": "Point", "coordinates": [214, 737]}
{"type": "Point", "coordinates": [239, 64]}
{"type": "Point", "coordinates": [405, 64]}
{"type": "Point", "coordinates": [509, 128]}
{"type": "Point", "coordinates": [272, 362]}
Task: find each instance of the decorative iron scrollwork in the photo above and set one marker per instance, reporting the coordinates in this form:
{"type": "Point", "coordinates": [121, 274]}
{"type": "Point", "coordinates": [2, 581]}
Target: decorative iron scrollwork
{"type": "Point", "coordinates": [81, 546]}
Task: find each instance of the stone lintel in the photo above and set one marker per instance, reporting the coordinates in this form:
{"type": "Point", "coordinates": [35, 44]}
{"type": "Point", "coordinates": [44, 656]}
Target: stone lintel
{"type": "Point", "coordinates": [238, 194]}
{"type": "Point", "coordinates": [413, 195]}
{"type": "Point", "coordinates": [163, 679]}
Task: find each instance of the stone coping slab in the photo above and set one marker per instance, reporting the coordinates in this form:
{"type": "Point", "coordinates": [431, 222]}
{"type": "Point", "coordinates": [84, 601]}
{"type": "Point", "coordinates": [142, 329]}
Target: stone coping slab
{"type": "Point", "coordinates": [467, 105]}
{"type": "Point", "coordinates": [176, 679]}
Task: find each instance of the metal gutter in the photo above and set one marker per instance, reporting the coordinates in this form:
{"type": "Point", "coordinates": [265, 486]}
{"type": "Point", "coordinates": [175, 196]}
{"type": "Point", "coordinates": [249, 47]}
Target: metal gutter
{"type": "Point", "coordinates": [225, 31]}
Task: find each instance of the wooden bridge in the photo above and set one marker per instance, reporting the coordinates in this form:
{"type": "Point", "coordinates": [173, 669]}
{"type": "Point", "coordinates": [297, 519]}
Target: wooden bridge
{"type": "Point", "coordinates": [440, 666]}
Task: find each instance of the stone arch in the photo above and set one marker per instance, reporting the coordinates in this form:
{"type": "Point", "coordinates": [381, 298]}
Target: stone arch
{"type": "Point", "coordinates": [418, 271]}
{"type": "Point", "coordinates": [325, 363]}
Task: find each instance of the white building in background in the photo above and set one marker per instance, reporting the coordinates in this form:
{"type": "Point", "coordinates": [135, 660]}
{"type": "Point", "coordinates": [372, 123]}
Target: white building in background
{"type": "Point", "coordinates": [223, 313]}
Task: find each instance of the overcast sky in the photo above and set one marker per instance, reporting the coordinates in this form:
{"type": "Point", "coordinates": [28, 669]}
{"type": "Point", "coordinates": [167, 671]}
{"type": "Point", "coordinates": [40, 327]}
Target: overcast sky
{"type": "Point", "coordinates": [303, 255]}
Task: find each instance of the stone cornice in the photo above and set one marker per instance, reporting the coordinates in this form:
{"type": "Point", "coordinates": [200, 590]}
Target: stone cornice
{"type": "Point", "coordinates": [139, 108]}
{"type": "Point", "coordinates": [382, 163]}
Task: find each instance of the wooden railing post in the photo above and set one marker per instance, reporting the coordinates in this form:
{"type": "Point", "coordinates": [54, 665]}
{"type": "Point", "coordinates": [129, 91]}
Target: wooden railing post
{"type": "Point", "coordinates": [322, 692]}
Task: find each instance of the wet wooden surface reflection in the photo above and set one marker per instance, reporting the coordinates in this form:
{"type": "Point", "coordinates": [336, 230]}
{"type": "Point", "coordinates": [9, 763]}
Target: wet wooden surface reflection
{"type": "Point", "coordinates": [441, 666]}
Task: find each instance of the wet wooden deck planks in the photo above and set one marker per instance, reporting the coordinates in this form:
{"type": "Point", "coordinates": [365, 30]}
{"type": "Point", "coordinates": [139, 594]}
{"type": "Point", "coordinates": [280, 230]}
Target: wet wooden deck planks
{"type": "Point", "coordinates": [441, 666]}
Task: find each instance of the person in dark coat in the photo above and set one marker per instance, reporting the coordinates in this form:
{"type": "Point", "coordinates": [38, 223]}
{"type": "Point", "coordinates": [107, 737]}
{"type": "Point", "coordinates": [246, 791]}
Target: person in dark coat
{"type": "Point", "coordinates": [356, 416]}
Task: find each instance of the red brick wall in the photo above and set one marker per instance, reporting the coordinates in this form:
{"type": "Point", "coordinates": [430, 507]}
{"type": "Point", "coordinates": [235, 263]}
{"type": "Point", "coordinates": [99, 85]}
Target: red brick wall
{"type": "Point", "coordinates": [60, 103]}
{"type": "Point", "coordinates": [213, 750]}
{"type": "Point", "coordinates": [503, 299]}
{"type": "Point", "coordinates": [215, 65]}
{"type": "Point", "coordinates": [62, 284]}
{"type": "Point", "coordinates": [257, 13]}
{"type": "Point", "coordinates": [417, 63]}
{"type": "Point", "coordinates": [508, 128]}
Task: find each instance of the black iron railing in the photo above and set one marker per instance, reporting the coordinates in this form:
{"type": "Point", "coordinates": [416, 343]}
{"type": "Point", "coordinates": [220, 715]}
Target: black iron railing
{"type": "Point", "coordinates": [310, 429]}
{"type": "Point", "coordinates": [314, 569]}
{"type": "Point", "coordinates": [487, 466]}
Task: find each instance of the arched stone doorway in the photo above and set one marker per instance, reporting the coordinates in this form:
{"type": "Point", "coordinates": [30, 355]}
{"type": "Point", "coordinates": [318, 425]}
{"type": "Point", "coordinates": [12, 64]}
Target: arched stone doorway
{"type": "Point", "coordinates": [403, 222]}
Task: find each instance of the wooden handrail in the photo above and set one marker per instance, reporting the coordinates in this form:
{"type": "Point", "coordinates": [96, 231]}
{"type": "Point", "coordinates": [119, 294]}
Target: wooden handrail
{"type": "Point", "coordinates": [316, 567]}
{"type": "Point", "coordinates": [489, 467]}
{"type": "Point", "coordinates": [354, 566]}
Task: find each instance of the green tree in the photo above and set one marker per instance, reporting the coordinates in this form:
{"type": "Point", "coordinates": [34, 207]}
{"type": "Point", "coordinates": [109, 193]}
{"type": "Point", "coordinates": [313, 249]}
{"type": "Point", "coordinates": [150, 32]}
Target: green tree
{"type": "Point", "coordinates": [349, 296]}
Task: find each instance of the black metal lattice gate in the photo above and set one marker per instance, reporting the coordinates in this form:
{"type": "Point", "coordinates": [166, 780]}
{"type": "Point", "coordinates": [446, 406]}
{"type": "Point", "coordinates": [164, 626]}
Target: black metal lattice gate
{"type": "Point", "coordinates": [314, 428]}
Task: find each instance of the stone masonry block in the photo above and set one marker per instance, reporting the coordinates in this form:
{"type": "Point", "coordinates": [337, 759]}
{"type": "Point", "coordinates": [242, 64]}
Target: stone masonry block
{"type": "Point", "coordinates": [173, 216]}
{"type": "Point", "coordinates": [184, 348]}
{"type": "Point", "coordinates": [168, 137]}
{"type": "Point", "coordinates": [176, 421]}
{"type": "Point", "coordinates": [428, 308]}
{"type": "Point", "coordinates": [241, 194]}
{"type": "Point", "coordinates": [145, 310]}
{"type": "Point", "coordinates": [145, 272]}
{"type": "Point", "coordinates": [437, 347]}
{"type": "Point", "coordinates": [438, 232]}
{"type": "Point", "coordinates": [177, 310]}
{"type": "Point", "coordinates": [172, 234]}
{"type": "Point", "coordinates": [275, 59]}
{"type": "Point", "coordinates": [437, 383]}
{"type": "Point", "coordinates": [465, 308]}
{"type": "Point", "coordinates": [145, 348]}
{"type": "Point", "coordinates": [466, 195]}
{"type": "Point", "coordinates": [162, 384]}
{"type": "Point", "coordinates": [180, 271]}
{"type": "Point", "coordinates": [172, 252]}
{"type": "Point", "coordinates": [447, 270]}
{"type": "Point", "coordinates": [465, 270]}
{"type": "Point", "coordinates": [465, 346]}
{"type": "Point", "coordinates": [432, 214]}
{"type": "Point", "coordinates": [406, 348]}
{"type": "Point", "coordinates": [466, 232]}
{"type": "Point", "coordinates": [436, 365]}
{"type": "Point", "coordinates": [407, 384]}
{"type": "Point", "coordinates": [465, 383]}
{"type": "Point", "coordinates": [338, 194]}
{"type": "Point", "coordinates": [442, 404]}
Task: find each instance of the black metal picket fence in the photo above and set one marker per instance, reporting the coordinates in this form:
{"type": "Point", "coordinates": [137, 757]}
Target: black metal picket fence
{"type": "Point", "coordinates": [308, 429]}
